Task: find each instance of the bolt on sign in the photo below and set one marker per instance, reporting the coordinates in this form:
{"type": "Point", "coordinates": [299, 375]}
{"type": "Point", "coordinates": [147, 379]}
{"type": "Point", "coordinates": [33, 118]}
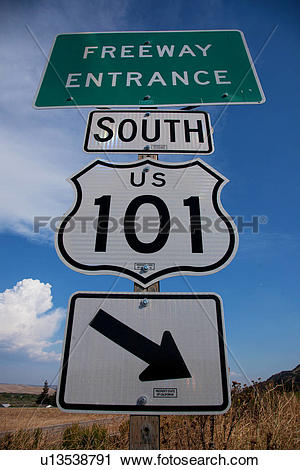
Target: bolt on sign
{"type": "Point", "coordinates": [160, 68]}
{"type": "Point", "coordinates": [124, 353]}
{"type": "Point", "coordinates": [147, 220]}
{"type": "Point", "coordinates": [149, 131]}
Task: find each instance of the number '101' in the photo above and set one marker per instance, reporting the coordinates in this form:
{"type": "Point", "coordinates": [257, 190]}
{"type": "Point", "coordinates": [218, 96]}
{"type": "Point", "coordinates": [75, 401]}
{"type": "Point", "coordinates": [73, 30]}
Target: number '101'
{"type": "Point", "coordinates": [104, 203]}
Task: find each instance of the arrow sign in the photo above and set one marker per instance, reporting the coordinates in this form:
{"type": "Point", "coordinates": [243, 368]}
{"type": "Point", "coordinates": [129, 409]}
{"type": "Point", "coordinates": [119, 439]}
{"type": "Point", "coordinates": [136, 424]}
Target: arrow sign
{"type": "Point", "coordinates": [165, 361]}
{"type": "Point", "coordinates": [115, 362]}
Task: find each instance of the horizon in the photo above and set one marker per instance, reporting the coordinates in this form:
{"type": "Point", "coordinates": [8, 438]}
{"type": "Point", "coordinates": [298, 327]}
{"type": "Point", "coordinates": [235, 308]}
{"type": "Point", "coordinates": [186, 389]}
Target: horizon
{"type": "Point", "coordinates": [54, 386]}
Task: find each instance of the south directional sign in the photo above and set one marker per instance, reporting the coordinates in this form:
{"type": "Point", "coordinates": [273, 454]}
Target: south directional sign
{"type": "Point", "coordinates": [149, 131]}
{"type": "Point", "coordinates": [150, 68]}
{"type": "Point", "coordinates": [147, 220]}
{"type": "Point", "coordinates": [126, 353]}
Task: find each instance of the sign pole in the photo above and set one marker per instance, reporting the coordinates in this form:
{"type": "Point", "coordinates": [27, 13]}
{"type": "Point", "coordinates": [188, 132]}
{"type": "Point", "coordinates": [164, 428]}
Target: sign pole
{"type": "Point", "coordinates": [144, 429]}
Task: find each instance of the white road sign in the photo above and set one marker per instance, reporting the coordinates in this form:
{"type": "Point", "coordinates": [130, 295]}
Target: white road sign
{"type": "Point", "coordinates": [149, 131]}
{"type": "Point", "coordinates": [147, 220]}
{"type": "Point", "coordinates": [127, 353]}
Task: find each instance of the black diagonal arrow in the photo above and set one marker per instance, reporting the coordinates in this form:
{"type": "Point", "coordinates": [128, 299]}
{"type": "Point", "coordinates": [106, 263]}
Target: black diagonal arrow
{"type": "Point", "coordinates": [165, 361]}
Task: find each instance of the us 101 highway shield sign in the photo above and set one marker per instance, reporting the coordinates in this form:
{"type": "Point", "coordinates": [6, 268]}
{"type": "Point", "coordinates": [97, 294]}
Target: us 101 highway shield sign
{"type": "Point", "coordinates": [147, 220]}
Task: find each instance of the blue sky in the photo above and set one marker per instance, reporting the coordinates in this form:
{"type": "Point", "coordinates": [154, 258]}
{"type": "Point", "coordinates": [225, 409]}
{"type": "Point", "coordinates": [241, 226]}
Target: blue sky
{"type": "Point", "coordinates": [256, 148]}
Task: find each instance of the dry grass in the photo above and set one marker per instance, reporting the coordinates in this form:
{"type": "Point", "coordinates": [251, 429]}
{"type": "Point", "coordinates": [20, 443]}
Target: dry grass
{"type": "Point", "coordinates": [259, 418]}
{"type": "Point", "coordinates": [27, 418]}
{"type": "Point", "coordinates": [92, 437]}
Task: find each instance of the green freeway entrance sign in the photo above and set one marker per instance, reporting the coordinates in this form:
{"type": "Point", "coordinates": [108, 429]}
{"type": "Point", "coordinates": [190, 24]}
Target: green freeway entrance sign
{"type": "Point", "coordinates": [161, 68]}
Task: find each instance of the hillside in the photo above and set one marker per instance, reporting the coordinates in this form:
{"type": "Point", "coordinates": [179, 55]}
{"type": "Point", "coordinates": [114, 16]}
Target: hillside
{"type": "Point", "coordinates": [290, 379]}
{"type": "Point", "coordinates": [18, 388]}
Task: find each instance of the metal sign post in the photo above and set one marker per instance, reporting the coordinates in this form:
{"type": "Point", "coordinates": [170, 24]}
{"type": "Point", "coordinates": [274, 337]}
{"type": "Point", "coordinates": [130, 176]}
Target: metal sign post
{"type": "Point", "coordinates": [144, 430]}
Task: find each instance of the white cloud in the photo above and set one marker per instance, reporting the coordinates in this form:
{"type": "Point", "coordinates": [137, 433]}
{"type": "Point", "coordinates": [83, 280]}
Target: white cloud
{"type": "Point", "coordinates": [27, 323]}
{"type": "Point", "coordinates": [32, 178]}
{"type": "Point", "coordinates": [39, 149]}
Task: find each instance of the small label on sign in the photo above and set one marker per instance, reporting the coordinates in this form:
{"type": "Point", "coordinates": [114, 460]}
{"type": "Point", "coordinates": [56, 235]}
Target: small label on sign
{"type": "Point", "coordinates": [165, 393]}
{"type": "Point", "coordinates": [159, 147]}
{"type": "Point", "coordinates": [141, 266]}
